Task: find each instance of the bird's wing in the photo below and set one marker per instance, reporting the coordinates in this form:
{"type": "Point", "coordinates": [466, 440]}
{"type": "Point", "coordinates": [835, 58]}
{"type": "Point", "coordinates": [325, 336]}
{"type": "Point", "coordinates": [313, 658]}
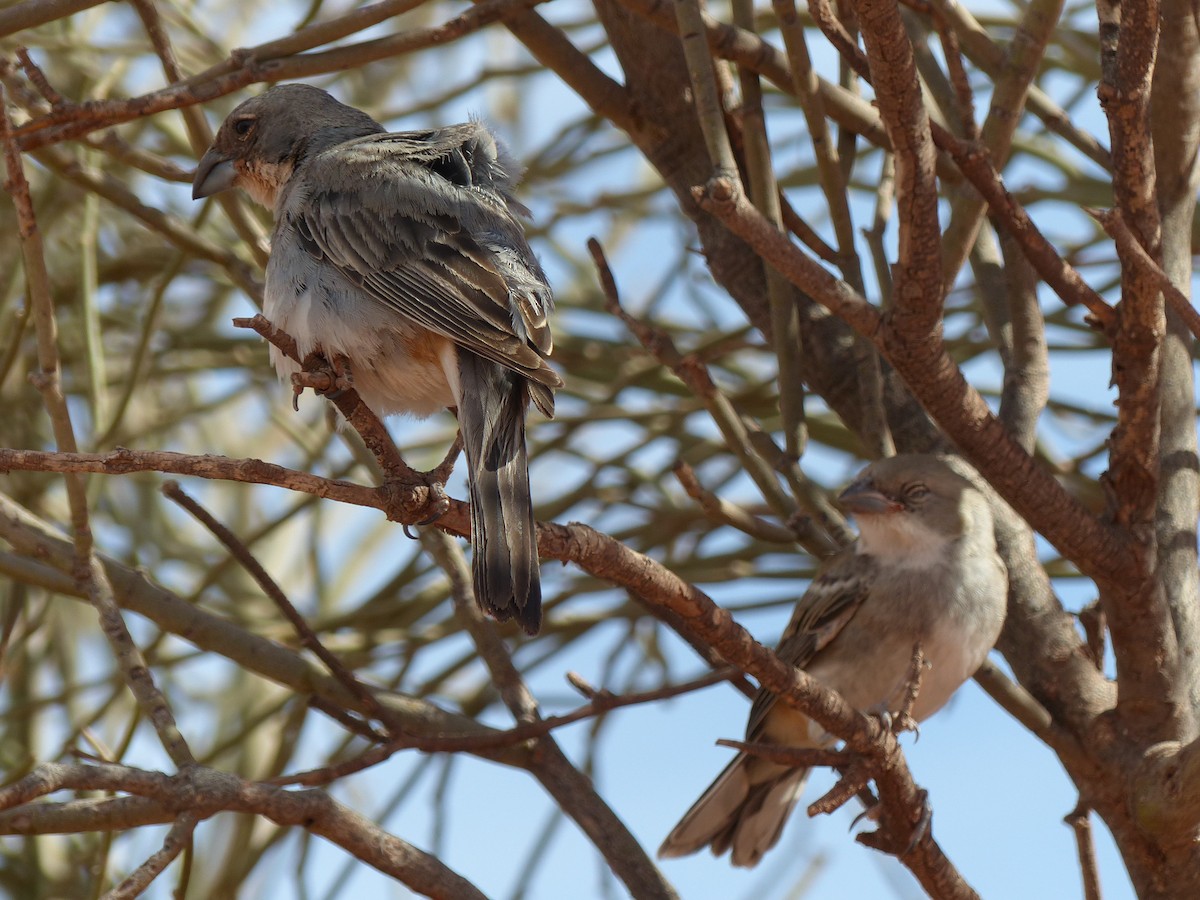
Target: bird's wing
{"type": "Point", "coordinates": [422, 222]}
{"type": "Point", "coordinates": [831, 601]}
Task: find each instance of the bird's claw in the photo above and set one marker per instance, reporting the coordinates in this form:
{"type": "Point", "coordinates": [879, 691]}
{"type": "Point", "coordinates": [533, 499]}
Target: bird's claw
{"type": "Point", "coordinates": [439, 502]}
{"type": "Point", "coordinates": [885, 842]}
{"type": "Point", "coordinates": [898, 723]}
{"type": "Point", "coordinates": [871, 812]}
{"type": "Point", "coordinates": [329, 378]}
{"type": "Point", "coordinates": [436, 504]}
{"type": "Point", "coordinates": [921, 826]}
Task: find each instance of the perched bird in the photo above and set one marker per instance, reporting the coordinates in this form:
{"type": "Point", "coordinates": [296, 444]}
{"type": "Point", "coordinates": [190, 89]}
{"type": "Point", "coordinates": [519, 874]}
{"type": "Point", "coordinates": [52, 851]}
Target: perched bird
{"type": "Point", "coordinates": [403, 254]}
{"type": "Point", "coordinates": [924, 568]}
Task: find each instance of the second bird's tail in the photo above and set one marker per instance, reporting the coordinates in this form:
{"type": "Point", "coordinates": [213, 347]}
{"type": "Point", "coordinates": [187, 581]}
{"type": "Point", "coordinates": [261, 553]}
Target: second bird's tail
{"type": "Point", "coordinates": [743, 811]}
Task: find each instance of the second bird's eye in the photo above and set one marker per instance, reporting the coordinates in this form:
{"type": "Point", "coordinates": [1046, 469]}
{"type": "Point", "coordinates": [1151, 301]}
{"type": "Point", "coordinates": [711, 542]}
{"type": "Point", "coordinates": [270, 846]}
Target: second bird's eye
{"type": "Point", "coordinates": [243, 126]}
{"type": "Point", "coordinates": [916, 492]}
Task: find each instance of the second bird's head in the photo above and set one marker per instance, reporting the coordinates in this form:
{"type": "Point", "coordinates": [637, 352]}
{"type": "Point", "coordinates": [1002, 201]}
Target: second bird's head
{"type": "Point", "coordinates": [912, 506]}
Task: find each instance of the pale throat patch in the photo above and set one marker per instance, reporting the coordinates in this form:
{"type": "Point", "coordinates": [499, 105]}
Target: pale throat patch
{"type": "Point", "coordinates": [901, 539]}
{"type": "Point", "coordinates": [263, 180]}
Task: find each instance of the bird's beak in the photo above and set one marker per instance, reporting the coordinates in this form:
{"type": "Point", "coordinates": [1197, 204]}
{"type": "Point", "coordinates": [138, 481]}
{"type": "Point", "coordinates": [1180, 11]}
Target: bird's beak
{"type": "Point", "coordinates": [215, 173]}
{"type": "Point", "coordinates": [861, 497]}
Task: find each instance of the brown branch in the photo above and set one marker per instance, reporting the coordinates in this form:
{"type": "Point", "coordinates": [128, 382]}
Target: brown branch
{"type": "Point", "coordinates": [73, 120]}
{"type": "Point", "coordinates": [32, 13]}
{"type": "Point", "coordinates": [1139, 620]}
{"type": "Point", "coordinates": [963, 94]}
{"type": "Point", "coordinates": [722, 512]}
{"type": "Point", "coordinates": [1125, 97]}
{"type": "Point", "coordinates": [602, 702]}
{"type": "Point", "coordinates": [1081, 826]}
{"type": "Point", "coordinates": [917, 287]}
{"type": "Point", "coordinates": [38, 78]}
{"type": "Point", "coordinates": [35, 539]}
{"type": "Point", "coordinates": [751, 52]}
{"type": "Point", "coordinates": [572, 791]}
{"type": "Point", "coordinates": [975, 164]}
{"type": "Point", "coordinates": [86, 568]}
{"type": "Point", "coordinates": [1027, 365]}
{"type": "Point", "coordinates": [1134, 255]}
{"type": "Point", "coordinates": [1010, 88]}
{"type": "Point", "coordinates": [347, 401]}
{"type": "Point", "coordinates": [789, 756]}
{"type": "Point", "coordinates": [140, 878]}
{"type": "Point", "coordinates": [941, 388]}
{"type": "Point", "coordinates": [202, 792]}
{"type": "Point", "coordinates": [314, 35]}
{"type": "Point", "coordinates": [123, 461]}
{"type": "Point", "coordinates": [704, 88]}
{"type": "Point", "coordinates": [308, 637]}
{"type": "Point", "coordinates": [991, 58]}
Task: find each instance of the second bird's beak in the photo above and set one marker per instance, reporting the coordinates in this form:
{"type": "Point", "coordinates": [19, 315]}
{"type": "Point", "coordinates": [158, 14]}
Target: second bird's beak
{"type": "Point", "coordinates": [862, 497]}
{"type": "Point", "coordinates": [215, 173]}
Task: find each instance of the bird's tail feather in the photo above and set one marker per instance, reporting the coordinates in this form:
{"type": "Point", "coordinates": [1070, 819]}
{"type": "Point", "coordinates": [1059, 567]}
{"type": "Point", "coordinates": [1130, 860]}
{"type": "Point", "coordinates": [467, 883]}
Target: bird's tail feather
{"type": "Point", "coordinates": [491, 414]}
{"type": "Point", "coordinates": [744, 810]}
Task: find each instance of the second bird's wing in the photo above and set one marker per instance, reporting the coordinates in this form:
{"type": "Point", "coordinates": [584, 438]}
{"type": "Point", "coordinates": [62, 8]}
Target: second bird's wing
{"type": "Point", "coordinates": [831, 601]}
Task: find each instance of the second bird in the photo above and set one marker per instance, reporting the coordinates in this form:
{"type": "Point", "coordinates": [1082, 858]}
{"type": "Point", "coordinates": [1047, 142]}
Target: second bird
{"type": "Point", "coordinates": [404, 254]}
{"type": "Point", "coordinates": [925, 571]}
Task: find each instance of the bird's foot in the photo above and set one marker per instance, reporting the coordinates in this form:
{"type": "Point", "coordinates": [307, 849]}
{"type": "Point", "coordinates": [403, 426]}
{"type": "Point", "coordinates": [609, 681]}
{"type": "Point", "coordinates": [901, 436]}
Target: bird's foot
{"type": "Point", "coordinates": [898, 723]}
{"type": "Point", "coordinates": [414, 499]}
{"type": "Point", "coordinates": [879, 840]}
{"type": "Point", "coordinates": [328, 377]}
{"type": "Point", "coordinates": [903, 719]}
{"type": "Point", "coordinates": [435, 481]}
{"type": "Point", "coordinates": [921, 826]}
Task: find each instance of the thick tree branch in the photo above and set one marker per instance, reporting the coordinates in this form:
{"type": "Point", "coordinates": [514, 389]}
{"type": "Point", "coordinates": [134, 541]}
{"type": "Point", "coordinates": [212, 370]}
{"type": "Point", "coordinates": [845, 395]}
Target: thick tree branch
{"type": "Point", "coordinates": [916, 292]}
{"type": "Point", "coordinates": [952, 402]}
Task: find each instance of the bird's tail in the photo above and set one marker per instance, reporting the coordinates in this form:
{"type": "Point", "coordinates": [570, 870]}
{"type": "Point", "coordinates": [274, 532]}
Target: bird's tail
{"type": "Point", "coordinates": [743, 810]}
{"type": "Point", "coordinates": [491, 414]}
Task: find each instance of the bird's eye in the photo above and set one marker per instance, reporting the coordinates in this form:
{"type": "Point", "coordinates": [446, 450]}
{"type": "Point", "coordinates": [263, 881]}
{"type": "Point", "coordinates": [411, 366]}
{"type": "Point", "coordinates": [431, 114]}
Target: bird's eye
{"type": "Point", "coordinates": [243, 126]}
{"type": "Point", "coordinates": [916, 492]}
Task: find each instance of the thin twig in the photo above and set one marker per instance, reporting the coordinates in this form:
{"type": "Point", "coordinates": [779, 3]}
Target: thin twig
{"type": "Point", "coordinates": [723, 512]}
{"type": "Point", "coordinates": [254, 568]}
{"type": "Point", "coordinates": [1134, 254]}
{"type": "Point", "coordinates": [601, 703]}
{"type": "Point", "coordinates": [695, 375]}
{"type": "Point", "coordinates": [1080, 823]}
{"type": "Point", "coordinates": [790, 756]}
{"type": "Point", "coordinates": [86, 569]}
{"type": "Point", "coordinates": [179, 837]}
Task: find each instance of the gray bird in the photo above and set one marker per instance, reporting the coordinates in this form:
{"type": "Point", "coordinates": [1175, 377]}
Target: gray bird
{"type": "Point", "coordinates": [924, 568]}
{"type": "Point", "coordinates": [403, 253]}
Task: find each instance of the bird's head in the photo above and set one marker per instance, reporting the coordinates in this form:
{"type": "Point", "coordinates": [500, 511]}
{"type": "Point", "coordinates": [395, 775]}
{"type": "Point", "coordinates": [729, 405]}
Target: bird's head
{"type": "Point", "coordinates": [262, 141]}
{"type": "Point", "coordinates": [910, 507]}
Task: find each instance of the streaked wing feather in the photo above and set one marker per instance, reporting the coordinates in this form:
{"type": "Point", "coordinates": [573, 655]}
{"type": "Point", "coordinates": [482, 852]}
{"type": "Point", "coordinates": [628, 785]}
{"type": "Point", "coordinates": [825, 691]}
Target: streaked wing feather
{"type": "Point", "coordinates": [831, 601]}
{"type": "Point", "coordinates": [403, 216]}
